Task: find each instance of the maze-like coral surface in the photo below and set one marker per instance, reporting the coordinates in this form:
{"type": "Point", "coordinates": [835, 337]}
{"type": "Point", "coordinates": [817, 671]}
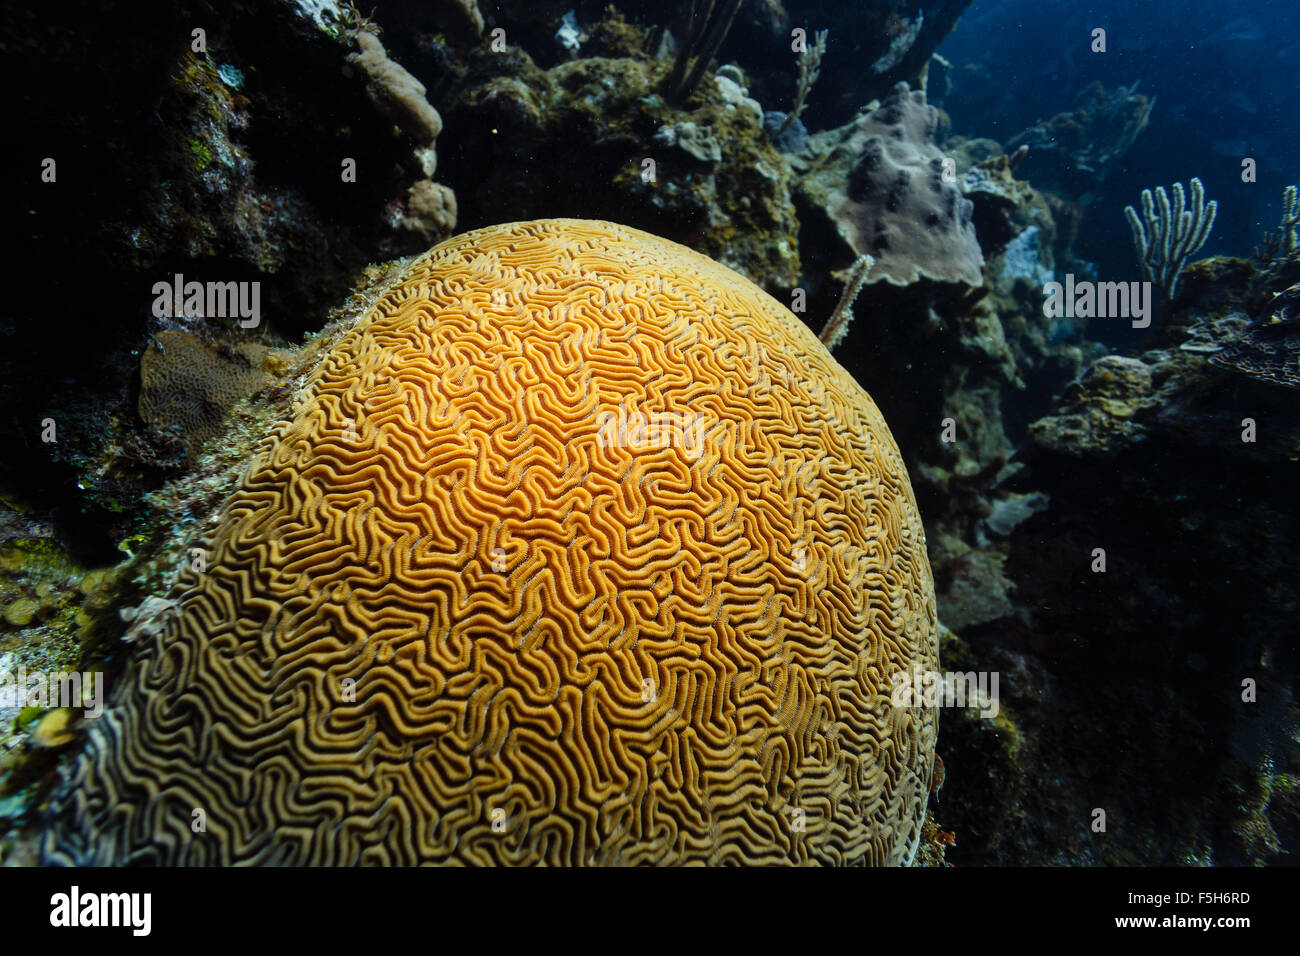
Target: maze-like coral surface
{"type": "Point", "coordinates": [578, 549]}
{"type": "Point", "coordinates": [189, 386]}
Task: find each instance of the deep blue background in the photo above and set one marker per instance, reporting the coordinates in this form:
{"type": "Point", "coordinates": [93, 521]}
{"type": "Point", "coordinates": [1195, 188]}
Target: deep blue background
{"type": "Point", "coordinates": [1225, 75]}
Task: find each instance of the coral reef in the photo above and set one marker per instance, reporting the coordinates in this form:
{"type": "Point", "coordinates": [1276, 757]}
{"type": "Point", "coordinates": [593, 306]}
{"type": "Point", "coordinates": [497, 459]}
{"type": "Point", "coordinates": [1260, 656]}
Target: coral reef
{"type": "Point", "coordinates": [207, 163]}
{"type": "Point", "coordinates": [1004, 208]}
{"type": "Point", "coordinates": [1028, 445]}
{"type": "Point", "coordinates": [979, 356]}
{"type": "Point", "coordinates": [51, 608]}
{"type": "Point", "coordinates": [1075, 150]}
{"type": "Point", "coordinates": [596, 135]}
{"type": "Point", "coordinates": [1196, 588]}
{"type": "Point", "coordinates": [43, 562]}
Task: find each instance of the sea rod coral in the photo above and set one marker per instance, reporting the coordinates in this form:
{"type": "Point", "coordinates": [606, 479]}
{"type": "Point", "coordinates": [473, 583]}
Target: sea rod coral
{"type": "Point", "coordinates": [1171, 232]}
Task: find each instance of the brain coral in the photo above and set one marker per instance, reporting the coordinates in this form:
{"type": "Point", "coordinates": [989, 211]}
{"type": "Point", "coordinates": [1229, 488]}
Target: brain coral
{"type": "Point", "coordinates": [578, 548]}
{"type": "Point", "coordinates": [188, 385]}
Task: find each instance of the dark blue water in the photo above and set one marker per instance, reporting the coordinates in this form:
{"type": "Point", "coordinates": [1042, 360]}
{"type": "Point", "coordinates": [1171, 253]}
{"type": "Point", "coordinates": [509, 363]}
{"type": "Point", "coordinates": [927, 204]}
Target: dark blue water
{"type": "Point", "coordinates": [1226, 77]}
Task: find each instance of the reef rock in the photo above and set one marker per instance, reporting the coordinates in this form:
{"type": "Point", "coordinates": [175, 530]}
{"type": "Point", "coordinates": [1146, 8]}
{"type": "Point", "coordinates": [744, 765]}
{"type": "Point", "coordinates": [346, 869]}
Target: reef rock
{"type": "Point", "coordinates": [1000, 201]}
{"type": "Point", "coordinates": [1159, 578]}
{"type": "Point", "coordinates": [1171, 395]}
{"type": "Point", "coordinates": [596, 134]}
{"type": "Point", "coordinates": [430, 211]}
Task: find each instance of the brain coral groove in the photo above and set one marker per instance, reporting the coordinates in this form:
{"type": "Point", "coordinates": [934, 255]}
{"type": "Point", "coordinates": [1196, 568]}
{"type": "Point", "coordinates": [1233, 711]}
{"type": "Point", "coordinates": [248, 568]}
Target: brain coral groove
{"type": "Point", "coordinates": [577, 549]}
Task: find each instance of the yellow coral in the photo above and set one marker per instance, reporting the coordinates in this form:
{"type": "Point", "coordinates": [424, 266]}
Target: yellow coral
{"type": "Point", "coordinates": [579, 548]}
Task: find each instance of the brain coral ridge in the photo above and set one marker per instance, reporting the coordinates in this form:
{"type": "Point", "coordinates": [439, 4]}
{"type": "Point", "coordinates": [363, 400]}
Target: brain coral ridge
{"type": "Point", "coordinates": [481, 599]}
